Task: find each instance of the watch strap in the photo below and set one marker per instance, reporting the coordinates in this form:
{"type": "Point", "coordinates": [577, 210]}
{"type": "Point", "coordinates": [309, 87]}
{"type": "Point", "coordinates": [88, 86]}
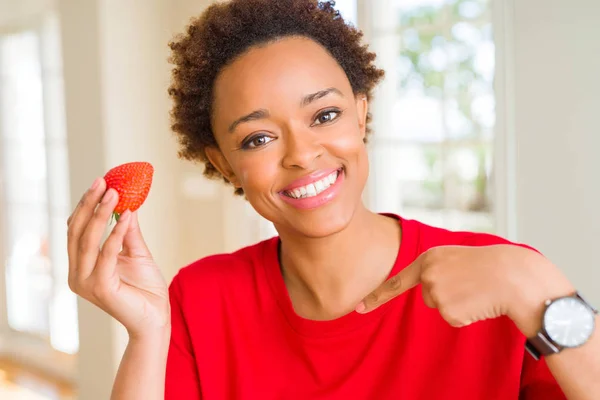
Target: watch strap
{"type": "Point", "coordinates": [541, 345]}
{"type": "Point", "coordinates": [586, 303]}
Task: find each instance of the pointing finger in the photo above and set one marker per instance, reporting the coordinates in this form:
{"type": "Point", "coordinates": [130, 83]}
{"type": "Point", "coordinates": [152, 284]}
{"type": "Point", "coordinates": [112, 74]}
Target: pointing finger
{"type": "Point", "coordinates": [406, 279]}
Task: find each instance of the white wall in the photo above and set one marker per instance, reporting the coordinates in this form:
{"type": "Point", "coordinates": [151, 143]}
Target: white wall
{"type": "Point", "coordinates": [556, 51]}
{"type": "Point", "coordinates": [14, 13]}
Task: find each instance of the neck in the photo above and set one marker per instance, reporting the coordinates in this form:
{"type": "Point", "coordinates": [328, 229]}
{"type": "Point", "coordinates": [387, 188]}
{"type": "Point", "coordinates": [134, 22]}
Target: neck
{"type": "Point", "coordinates": [327, 277]}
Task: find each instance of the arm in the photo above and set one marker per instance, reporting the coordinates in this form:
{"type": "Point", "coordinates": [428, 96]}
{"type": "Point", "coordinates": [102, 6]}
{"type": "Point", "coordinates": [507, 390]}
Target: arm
{"type": "Point", "coordinates": [161, 365]}
{"type": "Point", "coordinates": [141, 373]}
{"type": "Point", "coordinates": [121, 277]}
{"type": "Point", "coordinates": [469, 284]}
{"type": "Point", "coordinates": [576, 370]}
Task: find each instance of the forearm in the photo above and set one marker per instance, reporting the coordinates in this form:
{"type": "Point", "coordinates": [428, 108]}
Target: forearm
{"type": "Point", "coordinates": [577, 370]}
{"type": "Point", "coordinates": [141, 374]}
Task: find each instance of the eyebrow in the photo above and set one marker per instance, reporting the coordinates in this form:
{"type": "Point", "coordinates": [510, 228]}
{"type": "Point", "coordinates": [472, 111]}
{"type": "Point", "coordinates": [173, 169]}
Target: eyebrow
{"type": "Point", "coordinates": [253, 116]}
{"type": "Point", "coordinates": [306, 100]}
{"type": "Point", "coordinates": [262, 113]}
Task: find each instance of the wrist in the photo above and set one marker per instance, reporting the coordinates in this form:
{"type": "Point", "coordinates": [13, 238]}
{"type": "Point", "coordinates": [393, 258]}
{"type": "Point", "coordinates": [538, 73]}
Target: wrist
{"type": "Point", "coordinates": [156, 337]}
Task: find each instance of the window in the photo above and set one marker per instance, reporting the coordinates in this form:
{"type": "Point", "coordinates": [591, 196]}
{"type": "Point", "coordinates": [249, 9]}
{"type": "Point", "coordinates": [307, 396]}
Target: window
{"type": "Point", "coordinates": [35, 190]}
{"type": "Point", "coordinates": [348, 10]}
{"type": "Point", "coordinates": [434, 115]}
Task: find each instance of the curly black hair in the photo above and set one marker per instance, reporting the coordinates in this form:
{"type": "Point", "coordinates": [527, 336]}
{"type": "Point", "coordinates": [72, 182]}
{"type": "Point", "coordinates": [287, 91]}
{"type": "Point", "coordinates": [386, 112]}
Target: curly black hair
{"type": "Point", "coordinates": [225, 31]}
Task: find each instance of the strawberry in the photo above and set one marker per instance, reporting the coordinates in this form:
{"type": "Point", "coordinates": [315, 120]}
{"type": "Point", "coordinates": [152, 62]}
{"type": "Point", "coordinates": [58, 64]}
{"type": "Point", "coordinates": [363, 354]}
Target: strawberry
{"type": "Point", "coordinates": [132, 181]}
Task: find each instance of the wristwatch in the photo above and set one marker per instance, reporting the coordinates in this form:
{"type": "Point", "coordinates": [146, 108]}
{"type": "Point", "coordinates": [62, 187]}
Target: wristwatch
{"type": "Point", "coordinates": [568, 322]}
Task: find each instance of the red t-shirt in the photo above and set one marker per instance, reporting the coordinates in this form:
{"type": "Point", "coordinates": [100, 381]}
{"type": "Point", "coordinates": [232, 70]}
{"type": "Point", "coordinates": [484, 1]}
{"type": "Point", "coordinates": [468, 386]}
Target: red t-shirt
{"type": "Point", "coordinates": [235, 335]}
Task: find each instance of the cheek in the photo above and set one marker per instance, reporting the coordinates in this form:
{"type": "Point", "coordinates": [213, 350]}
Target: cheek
{"type": "Point", "coordinates": [257, 171]}
{"type": "Point", "coordinates": [348, 143]}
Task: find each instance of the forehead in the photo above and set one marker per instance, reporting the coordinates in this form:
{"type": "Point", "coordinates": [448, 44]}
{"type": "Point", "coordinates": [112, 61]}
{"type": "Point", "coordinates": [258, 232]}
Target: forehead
{"type": "Point", "coordinates": [280, 72]}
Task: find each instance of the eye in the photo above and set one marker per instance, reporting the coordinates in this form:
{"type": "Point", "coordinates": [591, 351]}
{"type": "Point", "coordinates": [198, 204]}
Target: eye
{"type": "Point", "coordinates": [256, 141]}
{"type": "Point", "coordinates": [327, 116]}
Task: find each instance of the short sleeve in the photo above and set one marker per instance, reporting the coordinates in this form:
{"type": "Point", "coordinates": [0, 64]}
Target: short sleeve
{"type": "Point", "coordinates": [485, 239]}
{"type": "Point", "coordinates": [537, 383]}
{"type": "Point", "coordinates": [182, 381]}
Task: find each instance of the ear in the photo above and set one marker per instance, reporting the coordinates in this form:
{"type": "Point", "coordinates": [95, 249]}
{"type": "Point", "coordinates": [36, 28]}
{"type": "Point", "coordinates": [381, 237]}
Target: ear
{"type": "Point", "coordinates": [362, 111]}
{"type": "Point", "coordinates": [218, 160]}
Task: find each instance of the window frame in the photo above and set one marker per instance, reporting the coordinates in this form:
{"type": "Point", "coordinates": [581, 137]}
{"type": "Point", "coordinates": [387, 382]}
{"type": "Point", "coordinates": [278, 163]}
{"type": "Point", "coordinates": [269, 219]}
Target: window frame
{"type": "Point", "coordinates": [499, 14]}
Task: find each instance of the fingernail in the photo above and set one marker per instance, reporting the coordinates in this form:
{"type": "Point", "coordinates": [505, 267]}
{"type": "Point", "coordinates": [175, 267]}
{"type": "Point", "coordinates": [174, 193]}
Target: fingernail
{"type": "Point", "coordinates": [95, 184]}
{"type": "Point", "coordinates": [360, 308]}
{"type": "Point", "coordinates": [108, 196]}
{"type": "Point", "coordinates": [125, 216]}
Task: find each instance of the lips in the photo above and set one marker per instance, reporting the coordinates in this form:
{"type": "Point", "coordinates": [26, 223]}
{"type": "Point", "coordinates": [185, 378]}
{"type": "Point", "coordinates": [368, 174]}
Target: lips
{"type": "Point", "coordinates": [310, 178]}
{"type": "Point", "coordinates": [314, 190]}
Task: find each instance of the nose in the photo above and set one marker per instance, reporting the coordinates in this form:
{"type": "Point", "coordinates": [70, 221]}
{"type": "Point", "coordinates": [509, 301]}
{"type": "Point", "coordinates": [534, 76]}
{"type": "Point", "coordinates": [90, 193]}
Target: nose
{"type": "Point", "coordinates": [302, 148]}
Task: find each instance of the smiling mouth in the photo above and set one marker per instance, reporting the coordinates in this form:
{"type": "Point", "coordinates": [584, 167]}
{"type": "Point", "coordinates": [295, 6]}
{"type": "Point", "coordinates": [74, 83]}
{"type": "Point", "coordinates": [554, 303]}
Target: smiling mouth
{"type": "Point", "coordinates": [315, 188]}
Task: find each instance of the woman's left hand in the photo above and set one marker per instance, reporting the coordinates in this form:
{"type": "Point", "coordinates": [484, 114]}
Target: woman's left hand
{"type": "Point", "coordinates": [470, 284]}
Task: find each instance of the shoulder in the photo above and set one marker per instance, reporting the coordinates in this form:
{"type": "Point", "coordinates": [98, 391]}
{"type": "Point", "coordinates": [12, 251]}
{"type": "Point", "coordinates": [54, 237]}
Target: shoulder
{"type": "Point", "coordinates": [215, 273]}
{"type": "Point", "coordinates": [431, 236]}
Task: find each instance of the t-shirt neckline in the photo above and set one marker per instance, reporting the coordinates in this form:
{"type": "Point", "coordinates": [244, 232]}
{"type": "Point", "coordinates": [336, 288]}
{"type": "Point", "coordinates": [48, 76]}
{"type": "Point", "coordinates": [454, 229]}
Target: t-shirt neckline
{"type": "Point", "coordinates": [345, 323]}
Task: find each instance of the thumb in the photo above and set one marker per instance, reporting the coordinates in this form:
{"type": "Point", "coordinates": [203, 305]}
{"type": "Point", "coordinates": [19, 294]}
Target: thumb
{"type": "Point", "coordinates": [134, 244]}
{"type": "Point", "coordinates": [406, 279]}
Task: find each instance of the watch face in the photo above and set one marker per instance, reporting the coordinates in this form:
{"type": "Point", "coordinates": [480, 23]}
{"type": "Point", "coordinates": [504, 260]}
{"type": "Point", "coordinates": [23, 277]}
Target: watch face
{"type": "Point", "coordinates": [568, 322]}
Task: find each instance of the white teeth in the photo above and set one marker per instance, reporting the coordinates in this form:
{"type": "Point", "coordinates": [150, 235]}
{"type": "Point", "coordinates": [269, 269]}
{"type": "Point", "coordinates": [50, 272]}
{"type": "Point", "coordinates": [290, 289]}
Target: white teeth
{"type": "Point", "coordinates": [311, 190]}
{"type": "Point", "coordinates": [314, 188]}
{"type": "Point", "coordinates": [320, 186]}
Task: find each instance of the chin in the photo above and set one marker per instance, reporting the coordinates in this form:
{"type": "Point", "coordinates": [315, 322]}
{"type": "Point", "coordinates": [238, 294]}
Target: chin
{"type": "Point", "coordinates": [322, 223]}
{"type": "Point", "coordinates": [318, 212]}
{"type": "Point", "coordinates": [326, 220]}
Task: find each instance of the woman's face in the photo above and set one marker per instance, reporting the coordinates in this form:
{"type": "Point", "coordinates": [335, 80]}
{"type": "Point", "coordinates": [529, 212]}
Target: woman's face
{"type": "Point", "coordinates": [290, 133]}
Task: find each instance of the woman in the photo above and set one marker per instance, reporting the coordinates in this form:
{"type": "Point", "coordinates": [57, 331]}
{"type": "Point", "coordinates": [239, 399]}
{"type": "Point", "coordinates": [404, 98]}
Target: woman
{"type": "Point", "coordinates": [273, 98]}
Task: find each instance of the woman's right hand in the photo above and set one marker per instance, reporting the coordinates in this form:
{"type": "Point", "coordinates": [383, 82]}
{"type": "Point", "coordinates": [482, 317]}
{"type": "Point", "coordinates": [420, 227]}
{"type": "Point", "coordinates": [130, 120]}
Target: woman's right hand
{"type": "Point", "coordinates": [120, 276]}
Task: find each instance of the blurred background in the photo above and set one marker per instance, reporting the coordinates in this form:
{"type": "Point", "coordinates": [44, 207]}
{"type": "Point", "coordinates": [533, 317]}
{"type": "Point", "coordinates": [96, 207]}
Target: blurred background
{"type": "Point", "coordinates": [487, 121]}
